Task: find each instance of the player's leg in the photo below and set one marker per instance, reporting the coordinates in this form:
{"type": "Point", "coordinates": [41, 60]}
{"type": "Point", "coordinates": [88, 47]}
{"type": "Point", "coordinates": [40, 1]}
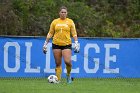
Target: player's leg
{"type": "Point", "coordinates": [66, 53]}
{"type": "Point", "coordinates": [58, 60]}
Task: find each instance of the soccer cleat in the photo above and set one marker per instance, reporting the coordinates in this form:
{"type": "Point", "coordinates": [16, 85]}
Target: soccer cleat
{"type": "Point", "coordinates": [69, 80]}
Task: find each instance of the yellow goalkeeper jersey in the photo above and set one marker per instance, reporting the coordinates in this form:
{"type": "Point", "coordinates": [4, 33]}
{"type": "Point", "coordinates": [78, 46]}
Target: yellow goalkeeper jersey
{"type": "Point", "coordinates": [61, 31]}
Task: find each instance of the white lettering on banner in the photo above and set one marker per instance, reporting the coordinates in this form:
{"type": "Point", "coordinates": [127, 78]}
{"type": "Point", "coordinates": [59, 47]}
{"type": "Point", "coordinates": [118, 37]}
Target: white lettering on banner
{"type": "Point", "coordinates": [74, 59]}
{"type": "Point", "coordinates": [28, 68]}
{"type": "Point", "coordinates": [109, 58]}
{"type": "Point", "coordinates": [48, 60]}
{"type": "Point", "coordinates": [17, 56]}
{"type": "Point", "coordinates": [96, 60]}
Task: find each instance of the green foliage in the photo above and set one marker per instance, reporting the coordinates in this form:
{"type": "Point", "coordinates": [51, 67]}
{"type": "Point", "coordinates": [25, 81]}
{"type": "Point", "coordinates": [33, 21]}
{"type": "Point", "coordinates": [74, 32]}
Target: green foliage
{"type": "Point", "coordinates": [93, 18]}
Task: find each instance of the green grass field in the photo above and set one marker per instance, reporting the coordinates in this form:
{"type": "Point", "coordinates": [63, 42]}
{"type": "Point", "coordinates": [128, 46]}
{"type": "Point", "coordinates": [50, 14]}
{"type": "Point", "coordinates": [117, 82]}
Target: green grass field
{"type": "Point", "coordinates": [92, 85]}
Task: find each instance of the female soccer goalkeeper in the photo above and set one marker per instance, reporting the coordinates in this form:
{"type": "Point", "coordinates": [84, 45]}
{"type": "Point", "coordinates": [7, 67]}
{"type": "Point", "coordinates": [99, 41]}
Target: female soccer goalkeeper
{"type": "Point", "coordinates": [61, 29]}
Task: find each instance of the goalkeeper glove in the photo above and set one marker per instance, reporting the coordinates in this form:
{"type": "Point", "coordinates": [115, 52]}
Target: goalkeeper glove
{"type": "Point", "coordinates": [45, 48]}
{"type": "Point", "coordinates": [76, 47]}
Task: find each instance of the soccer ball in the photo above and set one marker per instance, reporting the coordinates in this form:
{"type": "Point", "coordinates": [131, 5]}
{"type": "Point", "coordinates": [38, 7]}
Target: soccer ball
{"type": "Point", "coordinates": [52, 79]}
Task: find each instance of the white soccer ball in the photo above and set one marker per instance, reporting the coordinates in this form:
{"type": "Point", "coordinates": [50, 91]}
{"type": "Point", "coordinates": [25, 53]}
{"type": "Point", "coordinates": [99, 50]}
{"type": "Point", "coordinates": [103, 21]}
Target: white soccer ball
{"type": "Point", "coordinates": [52, 79]}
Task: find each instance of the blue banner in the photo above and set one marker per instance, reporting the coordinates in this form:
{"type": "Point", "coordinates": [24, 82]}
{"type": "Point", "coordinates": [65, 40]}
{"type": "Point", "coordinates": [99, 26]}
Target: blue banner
{"type": "Point", "coordinates": [98, 57]}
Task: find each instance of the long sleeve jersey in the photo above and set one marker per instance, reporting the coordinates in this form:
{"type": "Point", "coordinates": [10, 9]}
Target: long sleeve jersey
{"type": "Point", "coordinates": [61, 31]}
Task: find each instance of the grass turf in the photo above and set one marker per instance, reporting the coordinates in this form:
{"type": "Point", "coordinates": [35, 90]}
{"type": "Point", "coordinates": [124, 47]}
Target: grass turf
{"type": "Point", "coordinates": [82, 85]}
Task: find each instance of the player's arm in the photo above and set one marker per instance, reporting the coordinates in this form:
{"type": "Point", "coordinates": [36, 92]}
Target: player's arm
{"type": "Point", "coordinates": [49, 35]}
{"type": "Point", "coordinates": [74, 35]}
{"type": "Point", "coordinates": [73, 31]}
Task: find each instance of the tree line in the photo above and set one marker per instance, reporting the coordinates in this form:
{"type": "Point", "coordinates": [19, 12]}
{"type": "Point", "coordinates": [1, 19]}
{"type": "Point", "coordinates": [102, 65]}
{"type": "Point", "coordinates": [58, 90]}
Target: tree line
{"type": "Point", "coordinates": [93, 18]}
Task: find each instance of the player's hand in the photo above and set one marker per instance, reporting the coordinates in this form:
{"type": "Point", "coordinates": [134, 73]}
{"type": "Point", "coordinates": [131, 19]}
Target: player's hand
{"type": "Point", "coordinates": [76, 47]}
{"type": "Point", "coordinates": [45, 48]}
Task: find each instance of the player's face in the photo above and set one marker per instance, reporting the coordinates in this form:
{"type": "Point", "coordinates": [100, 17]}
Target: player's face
{"type": "Point", "coordinates": [63, 13]}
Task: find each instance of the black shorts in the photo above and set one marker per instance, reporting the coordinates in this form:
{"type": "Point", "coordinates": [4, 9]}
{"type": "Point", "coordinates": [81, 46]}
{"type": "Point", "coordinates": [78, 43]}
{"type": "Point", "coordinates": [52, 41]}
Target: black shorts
{"type": "Point", "coordinates": [61, 47]}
